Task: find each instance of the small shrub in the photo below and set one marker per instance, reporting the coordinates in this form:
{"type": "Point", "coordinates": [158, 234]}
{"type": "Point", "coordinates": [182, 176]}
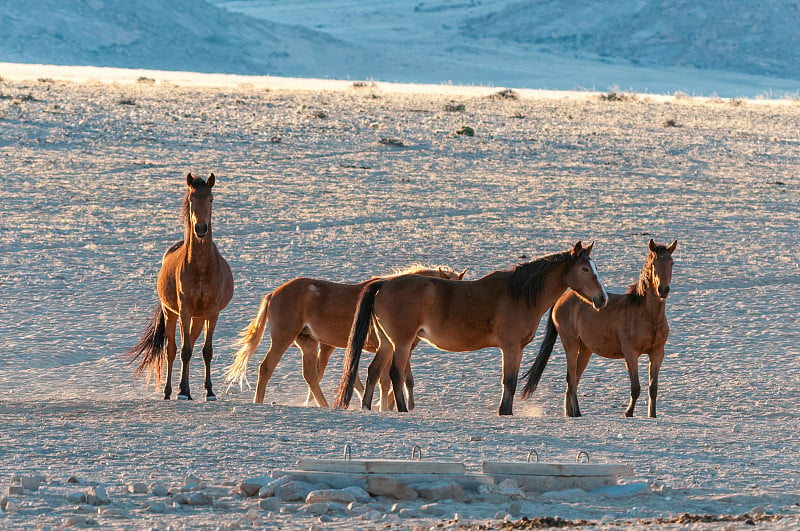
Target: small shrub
{"type": "Point", "coordinates": [144, 80]}
{"type": "Point", "coordinates": [391, 141]}
{"type": "Point", "coordinates": [671, 123]}
{"type": "Point", "coordinates": [505, 94]}
{"type": "Point", "coordinates": [466, 131]}
{"type": "Point", "coordinates": [454, 107]}
{"type": "Point", "coordinates": [126, 101]}
{"type": "Point", "coordinates": [617, 96]}
{"type": "Point", "coordinates": [319, 114]}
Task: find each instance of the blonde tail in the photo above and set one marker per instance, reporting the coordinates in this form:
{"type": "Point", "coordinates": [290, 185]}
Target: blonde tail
{"type": "Point", "coordinates": [248, 340]}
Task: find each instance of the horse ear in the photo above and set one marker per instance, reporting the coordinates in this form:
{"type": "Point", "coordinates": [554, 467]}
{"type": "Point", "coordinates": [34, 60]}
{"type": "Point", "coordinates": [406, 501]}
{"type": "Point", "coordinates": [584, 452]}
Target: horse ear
{"type": "Point", "coordinates": [588, 249]}
{"type": "Point", "coordinates": [576, 249]}
{"type": "Point", "coordinates": [672, 246]}
{"type": "Point", "coordinates": [441, 272]}
{"type": "Point", "coordinates": [211, 180]}
{"type": "Point", "coordinates": [189, 179]}
{"type": "Point", "coordinates": [461, 275]}
{"type": "Point", "coordinates": [652, 245]}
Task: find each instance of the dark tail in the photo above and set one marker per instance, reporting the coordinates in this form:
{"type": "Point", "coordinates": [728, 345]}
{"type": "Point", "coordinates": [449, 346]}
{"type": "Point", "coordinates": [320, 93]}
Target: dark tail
{"type": "Point", "coordinates": [534, 374]}
{"type": "Point", "coordinates": [355, 344]}
{"type": "Point", "coordinates": [151, 349]}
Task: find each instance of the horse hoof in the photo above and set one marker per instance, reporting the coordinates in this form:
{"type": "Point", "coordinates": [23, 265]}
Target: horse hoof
{"type": "Point", "coordinates": [183, 397]}
{"type": "Point", "coordinates": [211, 398]}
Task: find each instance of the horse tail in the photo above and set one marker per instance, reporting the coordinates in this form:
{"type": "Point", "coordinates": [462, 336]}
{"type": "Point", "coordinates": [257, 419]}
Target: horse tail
{"type": "Point", "coordinates": [355, 343]}
{"type": "Point", "coordinates": [534, 374]}
{"type": "Point", "coordinates": [151, 348]}
{"type": "Point", "coordinates": [248, 341]}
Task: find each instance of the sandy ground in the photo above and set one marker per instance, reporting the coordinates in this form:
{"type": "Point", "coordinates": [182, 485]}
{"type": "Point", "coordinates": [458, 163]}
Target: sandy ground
{"type": "Point", "coordinates": [92, 179]}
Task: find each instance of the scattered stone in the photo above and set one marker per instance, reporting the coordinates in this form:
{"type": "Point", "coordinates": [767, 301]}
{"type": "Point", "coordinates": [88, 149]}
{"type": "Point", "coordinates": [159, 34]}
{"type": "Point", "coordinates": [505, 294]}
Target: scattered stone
{"type": "Point", "coordinates": [329, 495]}
{"type": "Point", "coordinates": [515, 508]}
{"type": "Point", "coordinates": [72, 521]}
{"type": "Point", "coordinates": [200, 498]}
{"type": "Point", "coordinates": [433, 509]}
{"type": "Point", "coordinates": [97, 496]}
{"type": "Point", "coordinates": [3, 502]}
{"type": "Point", "coordinates": [316, 509]}
{"type": "Point", "coordinates": [159, 489]}
{"type": "Point", "coordinates": [250, 487]}
{"type": "Point", "coordinates": [409, 512]}
{"type": "Point", "coordinates": [325, 518]}
{"type": "Point", "coordinates": [191, 487]}
{"type": "Point", "coordinates": [157, 507]}
{"type": "Point", "coordinates": [76, 497]}
{"type": "Point", "coordinates": [137, 488]}
{"type": "Point", "coordinates": [251, 515]}
{"type": "Point", "coordinates": [358, 493]}
{"type": "Point", "coordinates": [73, 479]}
{"type": "Point", "coordinates": [268, 490]}
{"type": "Point", "coordinates": [32, 482]}
{"type": "Point", "coordinates": [268, 504]}
{"type": "Point", "coordinates": [509, 487]}
{"type": "Point", "coordinates": [500, 515]}
{"type": "Point", "coordinates": [16, 490]}
{"type": "Point", "coordinates": [440, 490]}
{"type": "Point", "coordinates": [12, 507]}
{"type": "Point", "coordinates": [294, 491]}
{"type": "Point", "coordinates": [391, 488]}
{"type": "Point", "coordinates": [111, 511]}
{"type": "Point", "coordinates": [371, 516]}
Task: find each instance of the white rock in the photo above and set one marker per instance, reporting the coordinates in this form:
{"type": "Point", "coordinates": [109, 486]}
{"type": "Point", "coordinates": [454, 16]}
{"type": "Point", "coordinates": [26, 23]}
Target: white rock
{"type": "Point", "coordinates": [514, 508]}
{"type": "Point", "coordinates": [329, 495]}
{"type": "Point", "coordinates": [371, 516]}
{"type": "Point", "coordinates": [439, 490]}
{"type": "Point", "coordinates": [74, 520]}
{"type": "Point", "coordinates": [268, 504]}
{"type": "Point", "coordinates": [433, 509]}
{"type": "Point", "coordinates": [268, 490]}
{"type": "Point", "coordinates": [358, 493]}
{"type": "Point", "coordinates": [294, 491]}
{"type": "Point", "coordinates": [76, 497]}
{"type": "Point", "coordinates": [159, 489]}
{"type": "Point", "coordinates": [157, 507]}
{"type": "Point", "coordinates": [97, 496]}
{"type": "Point", "coordinates": [391, 488]}
{"type": "Point", "coordinates": [251, 486]}
{"type": "Point", "coordinates": [316, 509]}
{"type": "Point", "coordinates": [509, 487]}
{"type": "Point", "coordinates": [3, 502]}
{"type": "Point", "coordinates": [12, 507]}
{"type": "Point", "coordinates": [200, 498]}
{"type": "Point", "coordinates": [251, 515]}
{"type": "Point", "coordinates": [137, 488]}
{"type": "Point", "coordinates": [32, 482]}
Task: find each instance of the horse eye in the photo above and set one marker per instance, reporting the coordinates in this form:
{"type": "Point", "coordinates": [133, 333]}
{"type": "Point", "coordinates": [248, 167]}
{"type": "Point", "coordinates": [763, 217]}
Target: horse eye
{"type": "Point", "coordinates": [585, 269]}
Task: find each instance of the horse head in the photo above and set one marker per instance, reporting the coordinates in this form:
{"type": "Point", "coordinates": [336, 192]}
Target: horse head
{"type": "Point", "coordinates": [661, 267]}
{"type": "Point", "coordinates": [198, 204]}
{"type": "Point", "coordinates": [582, 276]}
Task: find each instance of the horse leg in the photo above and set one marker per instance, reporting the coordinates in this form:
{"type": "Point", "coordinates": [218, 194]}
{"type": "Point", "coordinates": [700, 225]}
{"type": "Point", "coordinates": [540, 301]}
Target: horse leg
{"type": "Point", "coordinates": [323, 356]}
{"type": "Point", "coordinates": [572, 349]}
{"type": "Point", "coordinates": [172, 349]}
{"type": "Point", "coordinates": [277, 347]}
{"type": "Point", "coordinates": [376, 368]}
{"type": "Point", "coordinates": [208, 354]}
{"type": "Point", "coordinates": [512, 357]}
{"type": "Point", "coordinates": [402, 353]}
{"type": "Point", "coordinates": [632, 362]}
{"type": "Point", "coordinates": [186, 354]}
{"type": "Point", "coordinates": [656, 358]}
{"type": "Point", "coordinates": [410, 387]}
{"type": "Point", "coordinates": [309, 347]}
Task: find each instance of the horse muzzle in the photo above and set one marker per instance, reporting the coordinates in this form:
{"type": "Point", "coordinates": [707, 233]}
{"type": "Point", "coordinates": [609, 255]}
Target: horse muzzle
{"type": "Point", "coordinates": [201, 230]}
{"type": "Point", "coordinates": [599, 301]}
{"type": "Point", "coordinates": [663, 291]}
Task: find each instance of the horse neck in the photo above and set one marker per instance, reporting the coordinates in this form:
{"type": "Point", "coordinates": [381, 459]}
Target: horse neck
{"type": "Point", "coordinates": [653, 304]}
{"type": "Point", "coordinates": [198, 251]}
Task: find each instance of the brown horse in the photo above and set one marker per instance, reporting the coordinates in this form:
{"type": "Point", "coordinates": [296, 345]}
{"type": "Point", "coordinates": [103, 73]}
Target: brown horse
{"type": "Point", "coordinates": [316, 315]}
{"type": "Point", "coordinates": [195, 283]}
{"type": "Point", "coordinates": [630, 325]}
{"type": "Point", "coordinates": [501, 310]}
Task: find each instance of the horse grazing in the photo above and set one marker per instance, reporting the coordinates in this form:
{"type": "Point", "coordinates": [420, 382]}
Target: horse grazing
{"type": "Point", "coordinates": [316, 315]}
{"type": "Point", "coordinates": [501, 310]}
{"type": "Point", "coordinates": [630, 325]}
{"type": "Point", "coordinates": [195, 283]}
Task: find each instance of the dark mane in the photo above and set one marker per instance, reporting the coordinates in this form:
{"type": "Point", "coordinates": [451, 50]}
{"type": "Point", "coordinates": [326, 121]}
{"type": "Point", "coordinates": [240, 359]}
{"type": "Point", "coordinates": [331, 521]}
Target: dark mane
{"type": "Point", "coordinates": [198, 184]}
{"type": "Point", "coordinates": [636, 292]}
{"type": "Point", "coordinates": [527, 279]}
